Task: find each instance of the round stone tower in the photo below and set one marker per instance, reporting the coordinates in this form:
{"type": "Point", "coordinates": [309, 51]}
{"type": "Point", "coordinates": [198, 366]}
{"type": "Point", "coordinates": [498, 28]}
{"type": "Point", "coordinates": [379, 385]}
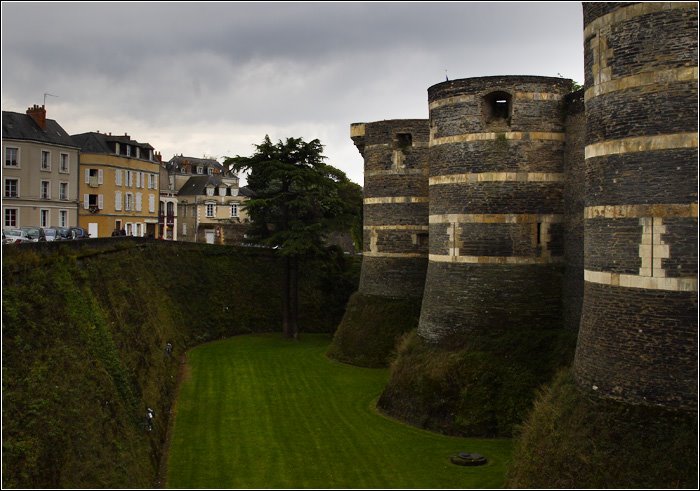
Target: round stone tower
{"type": "Point", "coordinates": [496, 207]}
{"type": "Point", "coordinates": [638, 333]}
{"type": "Point", "coordinates": [395, 239]}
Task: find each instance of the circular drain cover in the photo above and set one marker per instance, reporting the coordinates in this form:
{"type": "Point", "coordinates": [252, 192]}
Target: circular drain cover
{"type": "Point", "coordinates": [464, 458]}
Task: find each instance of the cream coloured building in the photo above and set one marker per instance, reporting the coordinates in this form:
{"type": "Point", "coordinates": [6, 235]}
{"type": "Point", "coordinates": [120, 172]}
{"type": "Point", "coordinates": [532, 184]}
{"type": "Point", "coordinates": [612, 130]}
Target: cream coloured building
{"type": "Point", "coordinates": [40, 171]}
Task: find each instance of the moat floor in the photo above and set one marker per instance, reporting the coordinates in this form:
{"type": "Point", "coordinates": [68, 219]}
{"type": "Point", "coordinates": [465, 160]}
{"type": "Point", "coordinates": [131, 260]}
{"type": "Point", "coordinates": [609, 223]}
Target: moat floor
{"type": "Point", "coordinates": [260, 411]}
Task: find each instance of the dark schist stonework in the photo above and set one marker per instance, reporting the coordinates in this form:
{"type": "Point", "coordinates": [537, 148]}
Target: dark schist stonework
{"type": "Point", "coordinates": [638, 331]}
{"type": "Point", "coordinates": [497, 229]}
{"type": "Point", "coordinates": [396, 209]}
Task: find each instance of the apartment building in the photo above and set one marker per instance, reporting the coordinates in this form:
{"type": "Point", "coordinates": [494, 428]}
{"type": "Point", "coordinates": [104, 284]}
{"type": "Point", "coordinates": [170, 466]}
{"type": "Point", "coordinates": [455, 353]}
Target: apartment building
{"type": "Point", "coordinates": [40, 171]}
{"type": "Point", "coordinates": [119, 185]}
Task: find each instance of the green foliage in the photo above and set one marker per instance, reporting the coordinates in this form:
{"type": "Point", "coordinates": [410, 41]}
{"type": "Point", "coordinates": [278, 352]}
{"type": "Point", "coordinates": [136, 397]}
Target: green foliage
{"type": "Point", "coordinates": [261, 412]}
{"type": "Point", "coordinates": [297, 198]}
{"type": "Point", "coordinates": [571, 440]}
{"type": "Point", "coordinates": [481, 385]}
{"type": "Point", "coordinates": [370, 329]}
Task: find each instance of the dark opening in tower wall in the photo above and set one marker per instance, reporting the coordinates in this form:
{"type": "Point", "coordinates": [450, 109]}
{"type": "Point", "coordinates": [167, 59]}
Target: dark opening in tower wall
{"type": "Point", "coordinates": [403, 141]}
{"type": "Point", "coordinates": [497, 107]}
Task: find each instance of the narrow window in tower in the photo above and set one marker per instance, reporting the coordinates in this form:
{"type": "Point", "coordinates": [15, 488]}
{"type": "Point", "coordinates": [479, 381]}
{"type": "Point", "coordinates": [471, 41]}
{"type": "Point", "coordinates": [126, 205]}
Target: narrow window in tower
{"type": "Point", "coordinates": [497, 108]}
{"type": "Point", "coordinates": [403, 141]}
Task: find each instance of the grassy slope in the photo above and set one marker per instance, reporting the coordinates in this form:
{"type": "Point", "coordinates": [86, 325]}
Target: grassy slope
{"type": "Point", "coordinates": [262, 412]}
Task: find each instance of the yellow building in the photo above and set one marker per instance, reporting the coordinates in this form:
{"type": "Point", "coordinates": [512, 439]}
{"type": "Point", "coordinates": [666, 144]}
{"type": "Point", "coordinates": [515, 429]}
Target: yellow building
{"type": "Point", "coordinates": [118, 185]}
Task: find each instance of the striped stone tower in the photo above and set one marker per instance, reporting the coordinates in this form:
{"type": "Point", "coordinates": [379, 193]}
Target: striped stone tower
{"type": "Point", "coordinates": [395, 240]}
{"type": "Point", "coordinates": [496, 208]}
{"type": "Point", "coordinates": [638, 332]}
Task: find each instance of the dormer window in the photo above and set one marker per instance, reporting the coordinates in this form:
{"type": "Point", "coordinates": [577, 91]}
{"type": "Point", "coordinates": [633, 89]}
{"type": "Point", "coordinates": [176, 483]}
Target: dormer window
{"type": "Point", "coordinates": [210, 191]}
{"type": "Point", "coordinates": [128, 150]}
{"type": "Point", "coordinates": [222, 190]}
{"type": "Point", "coordinates": [497, 108]}
{"type": "Point", "coordinates": [200, 169]}
{"type": "Point", "coordinates": [210, 171]}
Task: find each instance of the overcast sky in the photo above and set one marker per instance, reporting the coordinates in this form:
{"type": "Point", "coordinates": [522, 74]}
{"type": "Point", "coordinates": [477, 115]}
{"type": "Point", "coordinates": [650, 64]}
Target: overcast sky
{"type": "Point", "coordinates": [214, 78]}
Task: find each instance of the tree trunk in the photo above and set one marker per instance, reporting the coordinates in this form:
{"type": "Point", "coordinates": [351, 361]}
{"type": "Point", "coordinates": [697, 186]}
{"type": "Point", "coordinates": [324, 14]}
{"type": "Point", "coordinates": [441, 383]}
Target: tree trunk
{"type": "Point", "coordinates": [286, 304]}
{"type": "Point", "coordinates": [290, 298]}
{"type": "Point", "coordinates": [294, 297]}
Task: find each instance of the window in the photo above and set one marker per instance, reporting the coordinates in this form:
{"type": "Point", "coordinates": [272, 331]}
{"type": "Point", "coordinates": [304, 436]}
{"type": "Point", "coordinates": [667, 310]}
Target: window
{"type": "Point", "coordinates": [117, 224]}
{"type": "Point", "coordinates": [210, 209]}
{"type": "Point", "coordinates": [210, 191]}
{"type": "Point", "coordinates": [128, 202]}
{"type": "Point", "coordinates": [200, 169]}
{"type": "Point", "coordinates": [45, 160]}
{"type": "Point", "coordinates": [210, 171]}
{"type": "Point", "coordinates": [63, 190]}
{"type": "Point", "coordinates": [403, 141]}
{"type": "Point", "coordinates": [184, 229]}
{"type": "Point", "coordinates": [128, 150]}
{"type": "Point", "coordinates": [128, 178]}
{"type": "Point", "coordinates": [497, 108]}
{"type": "Point", "coordinates": [11, 157]}
{"type": "Point", "coordinates": [11, 217]}
{"type": "Point", "coordinates": [152, 181]}
{"type": "Point", "coordinates": [45, 191]}
{"type": "Point", "coordinates": [234, 209]}
{"type": "Point", "coordinates": [151, 203]}
{"type": "Point", "coordinates": [222, 190]}
{"type": "Point", "coordinates": [138, 230]}
{"type": "Point", "coordinates": [117, 201]}
{"type": "Point", "coordinates": [94, 177]}
{"type": "Point", "coordinates": [12, 188]}
{"type": "Point", "coordinates": [63, 218]}
{"type": "Point", "coordinates": [118, 177]}
{"type": "Point", "coordinates": [129, 230]}
{"type": "Point", "coordinates": [63, 165]}
{"type": "Point", "coordinates": [43, 218]}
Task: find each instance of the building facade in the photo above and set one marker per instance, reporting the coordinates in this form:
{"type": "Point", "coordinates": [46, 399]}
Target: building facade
{"type": "Point", "coordinates": [118, 186]}
{"type": "Point", "coordinates": [210, 209]}
{"type": "Point", "coordinates": [40, 171]}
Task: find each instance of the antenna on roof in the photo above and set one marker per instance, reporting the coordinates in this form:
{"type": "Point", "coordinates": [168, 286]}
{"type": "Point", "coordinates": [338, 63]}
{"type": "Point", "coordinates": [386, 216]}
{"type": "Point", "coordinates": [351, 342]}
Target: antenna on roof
{"type": "Point", "coordinates": [45, 94]}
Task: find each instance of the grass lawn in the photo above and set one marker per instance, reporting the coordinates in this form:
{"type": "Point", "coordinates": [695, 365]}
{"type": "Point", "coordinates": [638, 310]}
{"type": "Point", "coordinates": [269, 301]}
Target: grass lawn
{"type": "Point", "coordinates": [259, 411]}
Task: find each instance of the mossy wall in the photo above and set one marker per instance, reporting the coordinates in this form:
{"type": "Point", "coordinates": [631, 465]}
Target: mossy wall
{"type": "Point", "coordinates": [483, 386]}
{"type": "Point", "coordinates": [84, 336]}
{"type": "Point", "coordinates": [571, 440]}
{"type": "Point", "coordinates": [371, 327]}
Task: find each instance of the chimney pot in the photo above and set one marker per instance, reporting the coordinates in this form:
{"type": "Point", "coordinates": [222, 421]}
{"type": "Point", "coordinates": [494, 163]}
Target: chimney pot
{"type": "Point", "coordinates": [38, 114]}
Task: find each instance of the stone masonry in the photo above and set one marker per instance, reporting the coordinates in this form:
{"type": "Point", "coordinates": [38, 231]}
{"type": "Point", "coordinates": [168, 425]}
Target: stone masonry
{"type": "Point", "coordinates": [532, 205]}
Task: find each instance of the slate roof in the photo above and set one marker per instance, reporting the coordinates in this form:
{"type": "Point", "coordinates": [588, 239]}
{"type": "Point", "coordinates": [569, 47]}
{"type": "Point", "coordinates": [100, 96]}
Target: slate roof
{"type": "Point", "coordinates": [196, 186]}
{"type": "Point", "coordinates": [94, 142]}
{"type": "Point", "coordinates": [20, 126]}
{"type": "Point", "coordinates": [177, 160]}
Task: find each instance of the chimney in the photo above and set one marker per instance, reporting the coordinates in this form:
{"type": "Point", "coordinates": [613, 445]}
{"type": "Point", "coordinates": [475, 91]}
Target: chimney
{"type": "Point", "coordinates": [38, 114]}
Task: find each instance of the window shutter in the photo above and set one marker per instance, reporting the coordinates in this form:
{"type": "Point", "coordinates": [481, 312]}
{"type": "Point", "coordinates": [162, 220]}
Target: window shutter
{"type": "Point", "coordinates": [101, 201]}
{"type": "Point", "coordinates": [87, 176]}
{"type": "Point", "coordinates": [151, 203]}
{"type": "Point", "coordinates": [86, 201]}
{"type": "Point", "coordinates": [100, 176]}
{"type": "Point", "coordinates": [118, 177]}
{"type": "Point", "coordinates": [118, 201]}
{"type": "Point", "coordinates": [138, 201]}
{"type": "Point", "coordinates": [131, 180]}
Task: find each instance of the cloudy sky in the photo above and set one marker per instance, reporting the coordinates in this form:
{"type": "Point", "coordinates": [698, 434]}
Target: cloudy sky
{"type": "Point", "coordinates": [212, 79]}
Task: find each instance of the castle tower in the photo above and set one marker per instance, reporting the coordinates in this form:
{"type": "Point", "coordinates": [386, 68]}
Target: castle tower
{"type": "Point", "coordinates": [395, 239]}
{"type": "Point", "coordinates": [638, 333]}
{"type": "Point", "coordinates": [496, 207]}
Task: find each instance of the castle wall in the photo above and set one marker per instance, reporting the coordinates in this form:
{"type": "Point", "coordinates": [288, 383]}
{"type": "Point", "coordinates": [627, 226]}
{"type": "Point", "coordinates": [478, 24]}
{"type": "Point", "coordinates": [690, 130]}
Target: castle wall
{"type": "Point", "coordinates": [638, 331]}
{"type": "Point", "coordinates": [496, 187]}
{"type": "Point", "coordinates": [574, 202]}
{"type": "Point", "coordinates": [395, 206]}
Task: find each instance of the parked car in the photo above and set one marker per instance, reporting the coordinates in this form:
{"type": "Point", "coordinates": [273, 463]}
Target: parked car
{"type": "Point", "coordinates": [15, 236]}
{"type": "Point", "coordinates": [51, 234]}
{"type": "Point", "coordinates": [35, 234]}
{"type": "Point", "coordinates": [78, 233]}
{"type": "Point", "coordinates": [63, 233]}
